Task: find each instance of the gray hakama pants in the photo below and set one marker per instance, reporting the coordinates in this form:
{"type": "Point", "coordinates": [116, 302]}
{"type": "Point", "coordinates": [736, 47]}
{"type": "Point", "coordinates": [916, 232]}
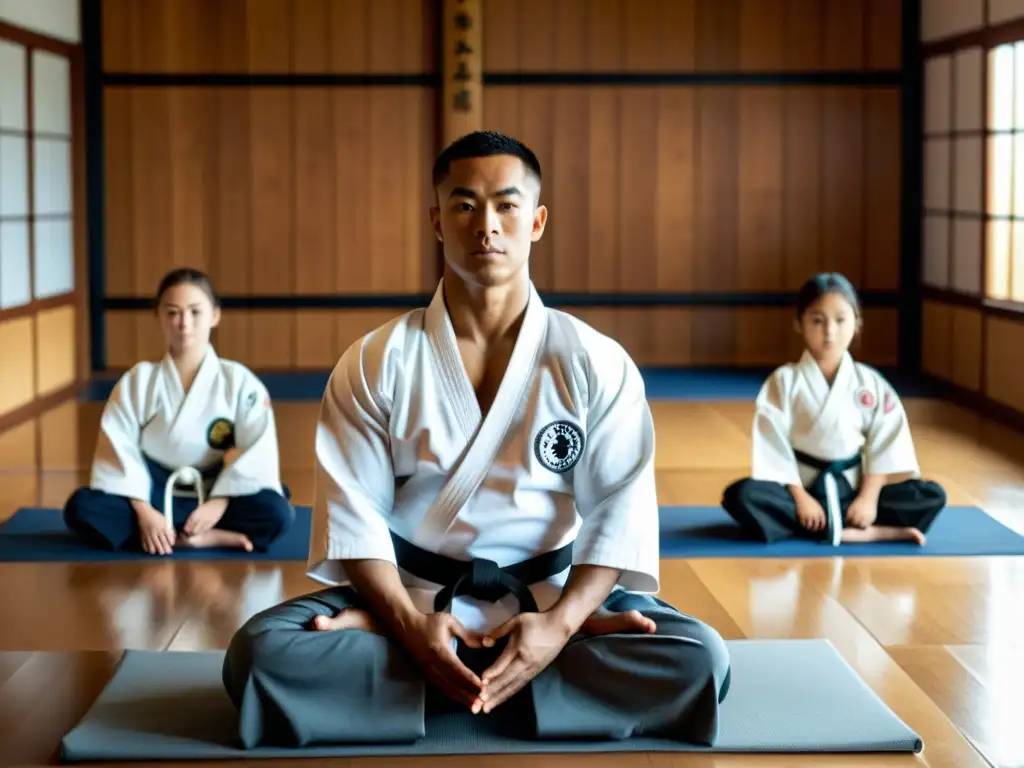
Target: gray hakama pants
{"type": "Point", "coordinates": [294, 686]}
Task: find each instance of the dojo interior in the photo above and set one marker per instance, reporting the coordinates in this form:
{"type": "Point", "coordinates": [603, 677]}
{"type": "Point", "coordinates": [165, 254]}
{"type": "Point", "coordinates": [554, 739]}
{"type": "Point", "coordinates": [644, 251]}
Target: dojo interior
{"type": "Point", "coordinates": [702, 158]}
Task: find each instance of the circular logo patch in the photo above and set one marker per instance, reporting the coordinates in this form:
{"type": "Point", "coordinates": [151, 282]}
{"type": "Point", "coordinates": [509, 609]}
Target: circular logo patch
{"type": "Point", "coordinates": [221, 434]}
{"type": "Point", "coordinates": [559, 446]}
{"type": "Point", "coordinates": [865, 398]}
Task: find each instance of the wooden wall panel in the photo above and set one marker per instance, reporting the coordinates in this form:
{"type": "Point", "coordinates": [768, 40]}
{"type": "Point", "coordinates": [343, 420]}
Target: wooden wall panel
{"type": "Point", "coordinates": [1004, 339]}
{"type": "Point", "coordinates": [754, 336]}
{"type": "Point", "coordinates": [281, 191]}
{"type": "Point", "coordinates": [313, 340]}
{"type": "Point", "coordinates": [18, 450]}
{"type": "Point", "coordinates": [317, 188]}
{"type": "Point", "coordinates": [273, 191]}
{"type": "Point", "coordinates": [260, 36]}
{"type": "Point", "coordinates": [936, 333]}
{"type": "Point", "coordinates": [952, 342]}
{"type": "Point", "coordinates": [683, 188]}
{"type": "Point", "coordinates": [690, 35]}
{"type": "Point", "coordinates": [55, 337]}
{"type": "Point", "coordinates": [16, 373]}
{"type": "Point", "coordinates": [967, 343]}
{"type": "Point", "coordinates": [657, 336]}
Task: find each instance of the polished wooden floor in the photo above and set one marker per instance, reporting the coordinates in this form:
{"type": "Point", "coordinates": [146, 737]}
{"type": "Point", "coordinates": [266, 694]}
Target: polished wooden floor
{"type": "Point", "coordinates": [939, 639]}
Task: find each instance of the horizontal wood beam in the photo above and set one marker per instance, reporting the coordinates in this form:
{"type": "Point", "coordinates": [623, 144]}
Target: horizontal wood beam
{"type": "Point", "coordinates": [33, 39]}
{"type": "Point", "coordinates": [1010, 310]}
{"type": "Point", "coordinates": [38, 305]}
{"type": "Point", "coordinates": [889, 299]}
{"type": "Point", "coordinates": [39, 405]}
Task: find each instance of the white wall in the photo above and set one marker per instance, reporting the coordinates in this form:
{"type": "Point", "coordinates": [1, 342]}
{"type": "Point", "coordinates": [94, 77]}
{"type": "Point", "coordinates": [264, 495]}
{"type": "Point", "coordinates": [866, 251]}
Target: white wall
{"type": "Point", "coordinates": [54, 18]}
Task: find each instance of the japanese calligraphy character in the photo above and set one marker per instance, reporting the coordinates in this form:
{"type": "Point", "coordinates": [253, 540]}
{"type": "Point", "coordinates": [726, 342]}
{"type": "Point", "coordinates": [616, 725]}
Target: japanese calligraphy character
{"type": "Point", "coordinates": [461, 101]}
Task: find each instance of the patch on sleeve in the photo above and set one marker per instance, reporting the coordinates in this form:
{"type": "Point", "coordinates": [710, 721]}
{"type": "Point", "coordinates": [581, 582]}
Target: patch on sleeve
{"type": "Point", "coordinates": [889, 402]}
{"type": "Point", "coordinates": [865, 398]}
{"type": "Point", "coordinates": [253, 398]}
{"type": "Point", "coordinates": [220, 435]}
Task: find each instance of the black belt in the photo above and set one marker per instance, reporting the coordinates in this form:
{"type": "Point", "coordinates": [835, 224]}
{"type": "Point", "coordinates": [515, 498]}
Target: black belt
{"type": "Point", "coordinates": [480, 578]}
{"type": "Point", "coordinates": [834, 468]}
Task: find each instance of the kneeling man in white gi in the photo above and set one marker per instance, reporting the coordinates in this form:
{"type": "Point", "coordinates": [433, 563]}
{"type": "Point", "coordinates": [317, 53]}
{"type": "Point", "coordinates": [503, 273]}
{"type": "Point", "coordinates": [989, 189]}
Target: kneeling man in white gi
{"type": "Point", "coordinates": [485, 517]}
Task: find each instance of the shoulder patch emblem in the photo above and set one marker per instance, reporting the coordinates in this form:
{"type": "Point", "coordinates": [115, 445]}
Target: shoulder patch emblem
{"type": "Point", "coordinates": [865, 398]}
{"type": "Point", "coordinates": [559, 446]}
{"type": "Point", "coordinates": [220, 435]}
{"type": "Point", "coordinates": [889, 402]}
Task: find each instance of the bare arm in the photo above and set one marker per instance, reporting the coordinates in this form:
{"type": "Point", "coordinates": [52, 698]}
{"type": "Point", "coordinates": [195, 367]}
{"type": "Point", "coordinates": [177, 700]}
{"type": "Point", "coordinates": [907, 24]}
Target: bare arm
{"type": "Point", "coordinates": [585, 591]}
{"type": "Point", "coordinates": [797, 490]}
{"type": "Point", "coordinates": [141, 507]}
{"type": "Point", "coordinates": [871, 486]}
{"type": "Point", "coordinates": [377, 582]}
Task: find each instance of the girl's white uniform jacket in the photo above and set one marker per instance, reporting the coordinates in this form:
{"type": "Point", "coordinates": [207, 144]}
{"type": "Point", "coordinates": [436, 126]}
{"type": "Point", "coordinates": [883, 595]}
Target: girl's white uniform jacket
{"type": "Point", "coordinates": [859, 413]}
{"type": "Point", "coordinates": [227, 408]}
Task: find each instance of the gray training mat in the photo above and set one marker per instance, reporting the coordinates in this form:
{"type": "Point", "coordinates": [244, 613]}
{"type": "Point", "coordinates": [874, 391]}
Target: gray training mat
{"type": "Point", "coordinates": [786, 696]}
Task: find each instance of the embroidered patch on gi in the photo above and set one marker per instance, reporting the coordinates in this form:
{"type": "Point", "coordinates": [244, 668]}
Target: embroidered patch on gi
{"type": "Point", "coordinates": [221, 435]}
{"type": "Point", "coordinates": [865, 398]}
{"type": "Point", "coordinates": [559, 446]}
{"type": "Point", "coordinates": [889, 402]}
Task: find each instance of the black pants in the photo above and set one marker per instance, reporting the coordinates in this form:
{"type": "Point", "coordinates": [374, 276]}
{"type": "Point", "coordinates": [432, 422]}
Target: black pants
{"type": "Point", "coordinates": [296, 686]}
{"type": "Point", "coordinates": [108, 521]}
{"type": "Point", "coordinates": [766, 511]}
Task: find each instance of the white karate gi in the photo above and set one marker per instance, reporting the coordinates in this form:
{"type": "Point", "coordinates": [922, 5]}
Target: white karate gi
{"type": "Point", "coordinates": [576, 463]}
{"type": "Point", "coordinates": [149, 414]}
{"type": "Point", "coordinates": [859, 413]}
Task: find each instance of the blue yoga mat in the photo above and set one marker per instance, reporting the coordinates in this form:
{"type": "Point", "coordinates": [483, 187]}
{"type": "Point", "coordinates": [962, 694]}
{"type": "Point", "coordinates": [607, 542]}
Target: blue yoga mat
{"type": "Point", "coordinates": [710, 532]}
{"type": "Point", "coordinates": [39, 535]}
{"type": "Point", "coordinates": [740, 384]}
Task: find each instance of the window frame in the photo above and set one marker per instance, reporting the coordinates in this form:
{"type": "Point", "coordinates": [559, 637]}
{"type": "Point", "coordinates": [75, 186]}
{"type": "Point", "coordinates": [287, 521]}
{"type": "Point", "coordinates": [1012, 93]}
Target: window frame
{"type": "Point", "coordinates": [1011, 34]}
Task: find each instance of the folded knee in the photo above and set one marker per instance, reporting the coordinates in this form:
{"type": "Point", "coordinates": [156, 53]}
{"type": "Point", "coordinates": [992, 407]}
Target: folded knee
{"type": "Point", "coordinates": [705, 648]}
{"type": "Point", "coordinates": [736, 493]}
{"type": "Point", "coordinates": [79, 505]}
{"type": "Point", "coordinates": [255, 641]}
{"type": "Point", "coordinates": [280, 514]}
{"type": "Point", "coordinates": [937, 493]}
{"type": "Point", "coordinates": [75, 501]}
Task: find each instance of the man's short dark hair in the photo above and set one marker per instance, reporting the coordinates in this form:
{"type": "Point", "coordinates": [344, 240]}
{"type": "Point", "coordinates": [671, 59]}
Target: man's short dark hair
{"type": "Point", "coordinates": [483, 144]}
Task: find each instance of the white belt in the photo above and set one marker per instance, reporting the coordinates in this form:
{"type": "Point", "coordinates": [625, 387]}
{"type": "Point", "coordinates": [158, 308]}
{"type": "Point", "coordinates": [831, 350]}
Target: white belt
{"type": "Point", "coordinates": [187, 476]}
{"type": "Point", "coordinates": [832, 509]}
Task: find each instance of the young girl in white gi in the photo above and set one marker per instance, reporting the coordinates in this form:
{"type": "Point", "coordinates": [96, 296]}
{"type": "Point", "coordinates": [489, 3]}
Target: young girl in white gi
{"type": "Point", "coordinates": [833, 457]}
{"type": "Point", "coordinates": [162, 476]}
